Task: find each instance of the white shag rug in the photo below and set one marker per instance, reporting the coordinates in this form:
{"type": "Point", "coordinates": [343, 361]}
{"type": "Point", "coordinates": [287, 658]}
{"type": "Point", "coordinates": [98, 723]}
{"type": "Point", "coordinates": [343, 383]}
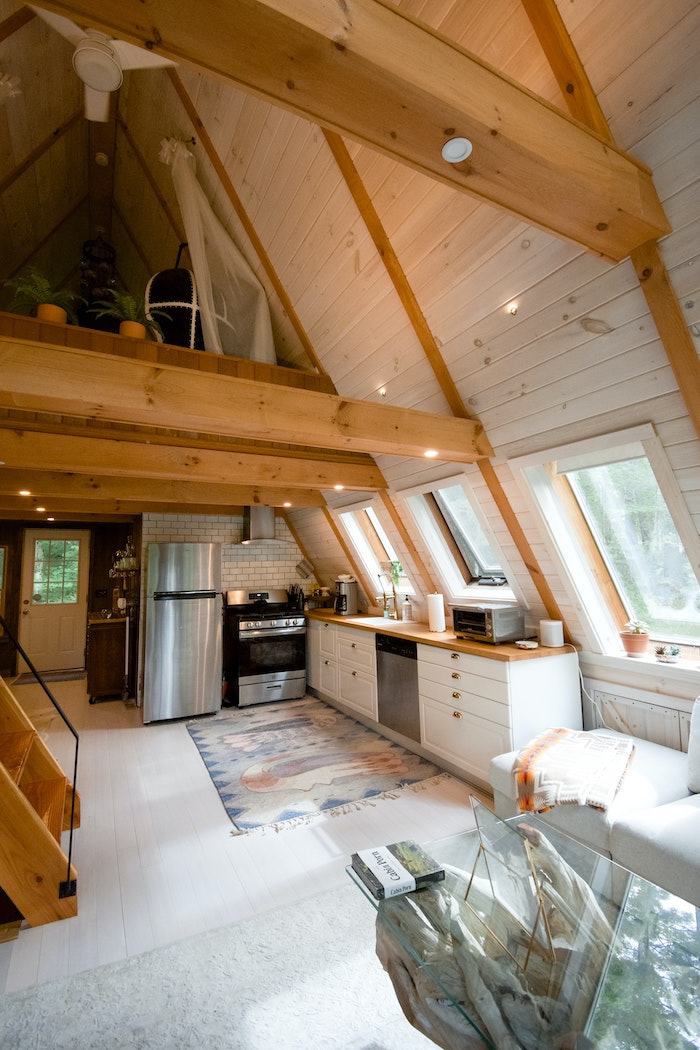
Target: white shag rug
{"type": "Point", "coordinates": [299, 976]}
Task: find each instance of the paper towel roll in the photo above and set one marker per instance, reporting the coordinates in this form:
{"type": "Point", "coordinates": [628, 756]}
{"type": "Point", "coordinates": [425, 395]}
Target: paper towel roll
{"type": "Point", "coordinates": [436, 612]}
{"type": "Point", "coordinates": [551, 633]}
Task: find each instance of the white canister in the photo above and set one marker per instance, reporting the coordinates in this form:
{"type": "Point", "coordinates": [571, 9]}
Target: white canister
{"type": "Point", "coordinates": [551, 633]}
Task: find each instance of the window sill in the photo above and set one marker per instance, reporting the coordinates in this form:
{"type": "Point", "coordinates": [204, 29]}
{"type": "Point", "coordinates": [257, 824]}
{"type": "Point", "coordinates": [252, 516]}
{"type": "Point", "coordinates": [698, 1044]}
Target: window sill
{"type": "Point", "coordinates": [646, 666]}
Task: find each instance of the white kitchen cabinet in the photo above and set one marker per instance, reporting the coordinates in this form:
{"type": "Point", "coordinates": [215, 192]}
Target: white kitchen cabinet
{"type": "Point", "coordinates": [473, 708]}
{"type": "Point", "coordinates": [321, 663]}
{"type": "Point", "coordinates": [357, 670]}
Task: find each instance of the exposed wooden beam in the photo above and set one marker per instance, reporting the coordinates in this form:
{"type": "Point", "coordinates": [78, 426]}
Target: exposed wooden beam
{"type": "Point", "coordinates": [396, 272]}
{"type": "Point", "coordinates": [49, 485]}
{"type": "Point", "coordinates": [40, 377]}
{"type": "Point", "coordinates": [442, 374]}
{"type": "Point", "coordinates": [654, 281]}
{"type": "Point", "coordinates": [26, 450]}
{"type": "Point", "coordinates": [671, 325]}
{"type": "Point", "coordinates": [408, 543]}
{"type": "Point", "coordinates": [366, 70]}
{"type": "Point", "coordinates": [575, 87]}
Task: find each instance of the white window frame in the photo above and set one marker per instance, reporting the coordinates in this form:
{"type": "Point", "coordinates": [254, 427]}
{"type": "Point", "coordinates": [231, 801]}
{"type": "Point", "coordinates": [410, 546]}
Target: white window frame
{"type": "Point", "coordinates": [440, 557]}
{"type": "Point", "coordinates": [573, 567]}
{"type": "Point", "coordinates": [376, 506]}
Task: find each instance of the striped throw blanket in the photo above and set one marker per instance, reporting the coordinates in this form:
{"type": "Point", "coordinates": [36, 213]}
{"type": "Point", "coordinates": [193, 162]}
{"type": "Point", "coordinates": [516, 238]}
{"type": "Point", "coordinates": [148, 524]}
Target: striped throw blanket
{"type": "Point", "coordinates": [563, 767]}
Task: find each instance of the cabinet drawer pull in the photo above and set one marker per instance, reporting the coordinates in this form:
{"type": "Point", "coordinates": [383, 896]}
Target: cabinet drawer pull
{"type": "Point", "coordinates": [456, 674]}
{"type": "Point", "coordinates": [354, 674]}
{"type": "Point", "coordinates": [456, 696]}
{"type": "Point", "coordinates": [353, 645]}
{"type": "Point", "coordinates": [455, 656]}
{"type": "Point", "coordinates": [456, 714]}
{"type": "Point", "coordinates": [327, 663]}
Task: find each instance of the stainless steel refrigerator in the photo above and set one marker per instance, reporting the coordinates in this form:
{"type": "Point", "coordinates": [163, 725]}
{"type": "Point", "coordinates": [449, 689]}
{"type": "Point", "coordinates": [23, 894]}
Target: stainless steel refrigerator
{"type": "Point", "coordinates": [184, 625]}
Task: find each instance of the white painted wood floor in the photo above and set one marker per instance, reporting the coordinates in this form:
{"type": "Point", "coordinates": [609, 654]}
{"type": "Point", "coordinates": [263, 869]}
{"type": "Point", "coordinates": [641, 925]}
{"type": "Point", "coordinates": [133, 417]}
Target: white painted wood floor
{"type": "Point", "coordinates": [155, 856]}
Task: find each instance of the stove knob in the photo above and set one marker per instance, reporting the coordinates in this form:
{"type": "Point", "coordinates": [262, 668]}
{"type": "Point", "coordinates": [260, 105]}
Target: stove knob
{"type": "Point", "coordinates": [258, 623]}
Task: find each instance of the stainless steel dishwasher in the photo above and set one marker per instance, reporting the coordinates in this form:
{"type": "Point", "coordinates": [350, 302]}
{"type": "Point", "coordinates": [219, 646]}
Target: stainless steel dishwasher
{"type": "Point", "coordinates": [397, 685]}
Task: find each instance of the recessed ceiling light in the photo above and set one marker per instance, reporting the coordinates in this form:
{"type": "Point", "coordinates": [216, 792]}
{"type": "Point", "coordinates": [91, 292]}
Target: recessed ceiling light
{"type": "Point", "coordinates": [456, 150]}
{"type": "Point", "coordinates": [40, 510]}
{"type": "Point", "coordinates": [287, 504]}
{"type": "Point", "coordinates": [24, 492]}
{"type": "Point", "coordinates": [339, 488]}
{"type": "Point", "coordinates": [430, 453]}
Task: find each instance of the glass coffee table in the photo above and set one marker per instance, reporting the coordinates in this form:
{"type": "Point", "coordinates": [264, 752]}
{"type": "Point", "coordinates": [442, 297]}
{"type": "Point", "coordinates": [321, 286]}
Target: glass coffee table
{"type": "Point", "coordinates": [534, 941]}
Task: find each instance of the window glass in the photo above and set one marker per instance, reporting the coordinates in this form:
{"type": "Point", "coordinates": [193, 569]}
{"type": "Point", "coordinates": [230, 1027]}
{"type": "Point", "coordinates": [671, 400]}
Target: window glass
{"type": "Point", "coordinates": [630, 521]}
{"type": "Point", "coordinates": [375, 549]}
{"type": "Point", "coordinates": [458, 544]}
{"type": "Point", "coordinates": [468, 534]}
{"type": "Point", "coordinates": [55, 580]}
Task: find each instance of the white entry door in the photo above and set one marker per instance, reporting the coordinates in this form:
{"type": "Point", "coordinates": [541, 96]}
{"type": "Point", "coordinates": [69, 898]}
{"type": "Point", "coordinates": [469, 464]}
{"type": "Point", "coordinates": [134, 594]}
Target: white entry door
{"type": "Point", "coordinates": [53, 610]}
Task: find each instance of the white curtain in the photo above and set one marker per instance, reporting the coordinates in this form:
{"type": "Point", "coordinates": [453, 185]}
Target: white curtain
{"type": "Point", "coordinates": [233, 307]}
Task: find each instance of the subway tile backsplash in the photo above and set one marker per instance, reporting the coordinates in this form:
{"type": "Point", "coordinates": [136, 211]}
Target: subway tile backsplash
{"type": "Point", "coordinates": [242, 567]}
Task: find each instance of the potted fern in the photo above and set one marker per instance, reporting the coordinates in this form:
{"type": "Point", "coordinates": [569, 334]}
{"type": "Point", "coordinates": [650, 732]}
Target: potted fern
{"type": "Point", "coordinates": [34, 294]}
{"type": "Point", "coordinates": [131, 313]}
{"type": "Point", "coordinates": [635, 638]}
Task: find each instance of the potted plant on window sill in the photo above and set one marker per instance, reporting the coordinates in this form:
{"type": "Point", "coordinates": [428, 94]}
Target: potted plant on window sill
{"type": "Point", "coordinates": [35, 295]}
{"type": "Point", "coordinates": [668, 654]}
{"type": "Point", "coordinates": [131, 313]}
{"type": "Point", "coordinates": [635, 639]}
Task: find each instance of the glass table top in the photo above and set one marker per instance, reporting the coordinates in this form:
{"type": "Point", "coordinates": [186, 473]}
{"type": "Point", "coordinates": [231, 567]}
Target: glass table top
{"type": "Point", "coordinates": [537, 941]}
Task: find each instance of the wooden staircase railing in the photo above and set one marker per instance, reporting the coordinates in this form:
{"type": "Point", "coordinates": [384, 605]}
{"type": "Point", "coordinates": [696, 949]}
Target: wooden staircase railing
{"type": "Point", "coordinates": [37, 803]}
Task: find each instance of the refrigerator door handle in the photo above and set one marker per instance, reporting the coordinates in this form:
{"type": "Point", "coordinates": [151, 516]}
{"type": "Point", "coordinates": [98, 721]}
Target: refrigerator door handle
{"type": "Point", "coordinates": [176, 596]}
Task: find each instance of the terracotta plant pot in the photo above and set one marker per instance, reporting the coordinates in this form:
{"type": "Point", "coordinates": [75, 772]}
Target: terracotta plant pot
{"type": "Point", "coordinates": [634, 644]}
{"type": "Point", "coordinates": [134, 329]}
{"type": "Point", "coordinates": [49, 312]}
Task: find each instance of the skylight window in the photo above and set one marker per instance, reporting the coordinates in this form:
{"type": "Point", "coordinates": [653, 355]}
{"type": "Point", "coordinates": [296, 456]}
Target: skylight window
{"type": "Point", "coordinates": [375, 549]}
{"type": "Point", "coordinates": [636, 536]}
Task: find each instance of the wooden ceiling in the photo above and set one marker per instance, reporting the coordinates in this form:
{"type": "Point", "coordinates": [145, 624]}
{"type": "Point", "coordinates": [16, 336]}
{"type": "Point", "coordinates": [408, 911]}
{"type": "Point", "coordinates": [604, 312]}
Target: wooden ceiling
{"type": "Point", "coordinates": [317, 132]}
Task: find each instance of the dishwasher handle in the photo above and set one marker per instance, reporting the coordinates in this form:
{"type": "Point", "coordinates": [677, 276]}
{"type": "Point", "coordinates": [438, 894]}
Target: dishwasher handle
{"type": "Point", "coordinates": [387, 643]}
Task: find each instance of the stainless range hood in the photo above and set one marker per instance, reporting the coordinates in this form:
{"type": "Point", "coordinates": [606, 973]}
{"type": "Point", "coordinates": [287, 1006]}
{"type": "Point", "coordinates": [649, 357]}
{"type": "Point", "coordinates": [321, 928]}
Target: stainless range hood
{"type": "Point", "coordinates": [259, 527]}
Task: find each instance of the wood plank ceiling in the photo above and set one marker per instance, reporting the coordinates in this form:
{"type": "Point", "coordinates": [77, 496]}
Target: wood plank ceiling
{"type": "Point", "coordinates": [317, 132]}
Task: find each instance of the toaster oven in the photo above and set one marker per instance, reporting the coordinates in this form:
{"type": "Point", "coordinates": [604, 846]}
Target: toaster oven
{"type": "Point", "coordinates": [489, 623]}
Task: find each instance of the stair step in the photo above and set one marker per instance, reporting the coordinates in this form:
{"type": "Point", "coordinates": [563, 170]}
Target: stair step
{"type": "Point", "coordinates": [14, 750]}
{"type": "Point", "coordinates": [48, 798]}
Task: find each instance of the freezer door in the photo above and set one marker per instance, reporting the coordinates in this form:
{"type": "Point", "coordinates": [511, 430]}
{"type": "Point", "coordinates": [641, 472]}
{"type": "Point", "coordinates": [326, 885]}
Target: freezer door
{"type": "Point", "coordinates": [182, 672]}
{"type": "Point", "coordinates": [184, 567]}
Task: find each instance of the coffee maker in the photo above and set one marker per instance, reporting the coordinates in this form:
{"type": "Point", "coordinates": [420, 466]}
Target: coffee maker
{"type": "Point", "coordinates": [346, 598]}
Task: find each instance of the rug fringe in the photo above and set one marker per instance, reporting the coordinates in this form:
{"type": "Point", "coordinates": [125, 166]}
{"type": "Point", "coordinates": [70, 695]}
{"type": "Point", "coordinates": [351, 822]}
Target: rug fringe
{"type": "Point", "coordinates": [339, 811]}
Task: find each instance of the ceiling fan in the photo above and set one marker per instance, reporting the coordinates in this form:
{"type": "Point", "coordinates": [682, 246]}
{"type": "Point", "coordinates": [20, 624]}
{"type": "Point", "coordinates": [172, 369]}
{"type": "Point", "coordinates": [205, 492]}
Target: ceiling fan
{"type": "Point", "coordinates": [99, 61]}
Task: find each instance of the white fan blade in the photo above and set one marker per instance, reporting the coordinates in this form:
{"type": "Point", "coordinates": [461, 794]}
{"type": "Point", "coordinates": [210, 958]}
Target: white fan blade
{"type": "Point", "coordinates": [62, 25]}
{"type": "Point", "coordinates": [132, 57]}
{"type": "Point", "coordinates": [96, 104]}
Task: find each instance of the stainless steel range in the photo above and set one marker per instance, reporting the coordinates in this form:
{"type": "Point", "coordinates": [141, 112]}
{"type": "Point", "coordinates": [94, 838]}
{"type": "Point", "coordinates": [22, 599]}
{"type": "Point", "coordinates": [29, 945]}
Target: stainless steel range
{"type": "Point", "coordinates": [264, 647]}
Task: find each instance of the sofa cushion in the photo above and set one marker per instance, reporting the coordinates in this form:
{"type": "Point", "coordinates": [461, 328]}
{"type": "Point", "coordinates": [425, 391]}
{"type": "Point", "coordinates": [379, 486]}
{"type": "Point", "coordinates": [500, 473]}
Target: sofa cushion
{"type": "Point", "coordinates": [656, 775]}
{"type": "Point", "coordinates": [663, 846]}
{"type": "Point", "coordinates": [694, 748]}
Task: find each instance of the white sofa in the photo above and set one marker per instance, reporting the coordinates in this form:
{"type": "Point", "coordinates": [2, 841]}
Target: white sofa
{"type": "Point", "coordinates": [653, 825]}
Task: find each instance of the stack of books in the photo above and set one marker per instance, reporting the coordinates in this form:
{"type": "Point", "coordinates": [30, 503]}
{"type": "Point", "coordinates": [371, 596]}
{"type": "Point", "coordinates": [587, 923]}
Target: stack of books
{"type": "Point", "coordinates": [402, 867]}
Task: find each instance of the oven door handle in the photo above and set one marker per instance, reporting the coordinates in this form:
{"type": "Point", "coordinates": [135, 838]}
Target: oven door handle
{"type": "Point", "coordinates": [262, 633]}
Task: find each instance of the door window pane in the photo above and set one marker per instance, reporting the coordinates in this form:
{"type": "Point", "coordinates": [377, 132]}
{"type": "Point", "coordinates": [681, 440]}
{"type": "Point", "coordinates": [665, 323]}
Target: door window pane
{"type": "Point", "coordinates": [55, 580]}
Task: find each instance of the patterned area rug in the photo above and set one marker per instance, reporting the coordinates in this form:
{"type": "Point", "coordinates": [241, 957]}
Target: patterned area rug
{"type": "Point", "coordinates": [283, 764]}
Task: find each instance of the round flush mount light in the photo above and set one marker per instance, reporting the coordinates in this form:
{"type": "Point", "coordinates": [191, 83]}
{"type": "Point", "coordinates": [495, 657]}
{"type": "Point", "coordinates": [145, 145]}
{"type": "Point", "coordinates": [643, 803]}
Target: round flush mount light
{"type": "Point", "coordinates": [456, 150]}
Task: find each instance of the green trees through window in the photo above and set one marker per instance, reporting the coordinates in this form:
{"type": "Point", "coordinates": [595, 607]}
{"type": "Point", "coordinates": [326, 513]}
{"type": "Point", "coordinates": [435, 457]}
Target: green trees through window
{"type": "Point", "coordinates": [631, 524]}
{"type": "Point", "coordinates": [55, 580]}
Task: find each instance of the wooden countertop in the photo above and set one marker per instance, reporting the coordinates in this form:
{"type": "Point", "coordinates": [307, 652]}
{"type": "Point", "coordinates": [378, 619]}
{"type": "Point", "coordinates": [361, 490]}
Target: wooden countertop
{"type": "Point", "coordinates": [419, 632]}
